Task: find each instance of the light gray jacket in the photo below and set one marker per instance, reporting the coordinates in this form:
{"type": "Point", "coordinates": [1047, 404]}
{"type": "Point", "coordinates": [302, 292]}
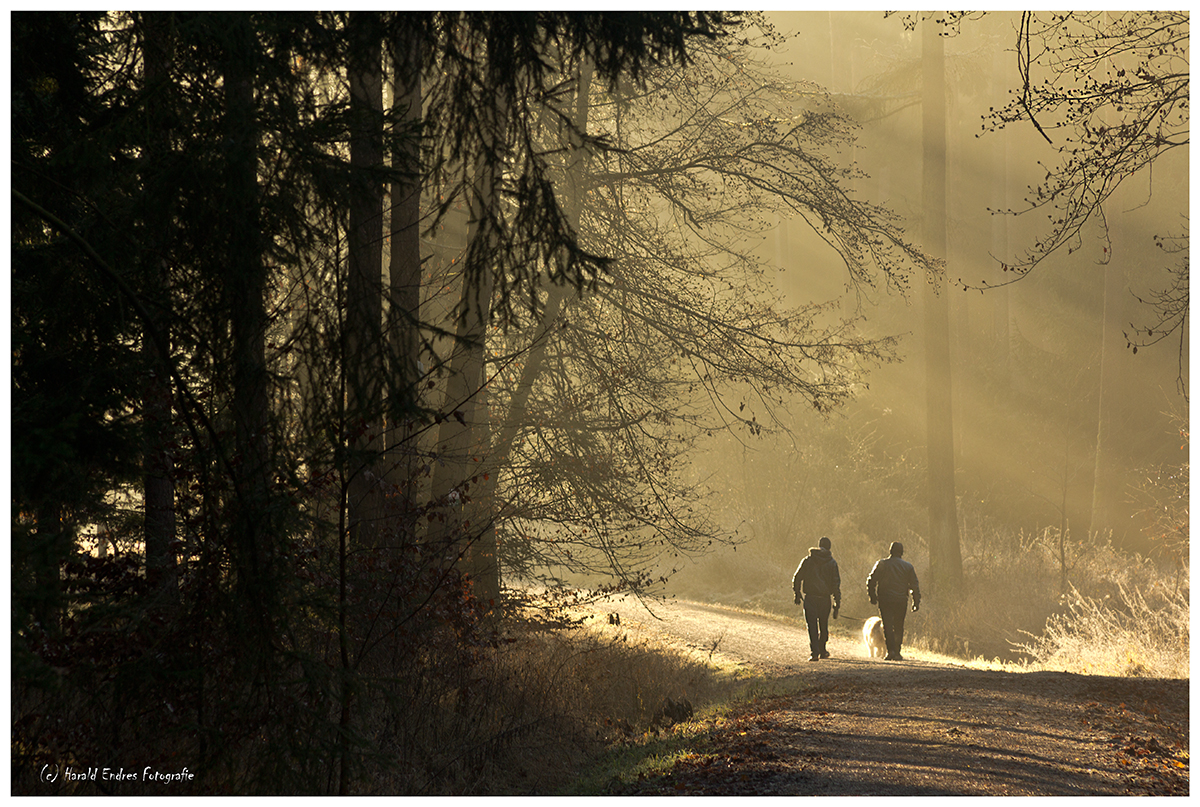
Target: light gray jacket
{"type": "Point", "coordinates": [892, 579]}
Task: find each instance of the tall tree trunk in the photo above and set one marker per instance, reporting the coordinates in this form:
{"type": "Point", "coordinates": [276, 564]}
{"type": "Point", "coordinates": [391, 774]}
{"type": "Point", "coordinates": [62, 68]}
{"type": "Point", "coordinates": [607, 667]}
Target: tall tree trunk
{"type": "Point", "coordinates": [404, 273]}
{"type": "Point", "coordinates": [945, 558]}
{"type": "Point", "coordinates": [52, 544]}
{"type": "Point", "coordinates": [459, 484]}
{"type": "Point", "coordinates": [463, 438]}
{"type": "Point", "coordinates": [245, 277]}
{"type": "Point", "coordinates": [1106, 483]}
{"type": "Point", "coordinates": [841, 44]}
{"type": "Point", "coordinates": [362, 335]}
{"type": "Point", "coordinates": [363, 353]}
{"type": "Point", "coordinates": [157, 463]}
{"type": "Point", "coordinates": [1000, 220]}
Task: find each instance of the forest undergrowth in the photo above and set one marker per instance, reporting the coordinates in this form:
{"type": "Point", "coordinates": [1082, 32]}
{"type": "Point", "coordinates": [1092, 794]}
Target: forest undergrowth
{"type": "Point", "coordinates": [525, 710]}
{"type": "Point", "coordinates": [554, 692]}
{"type": "Point", "coordinates": [1109, 613]}
{"type": "Point", "coordinates": [582, 688]}
{"type": "Point", "coordinates": [597, 698]}
{"type": "Point", "coordinates": [529, 703]}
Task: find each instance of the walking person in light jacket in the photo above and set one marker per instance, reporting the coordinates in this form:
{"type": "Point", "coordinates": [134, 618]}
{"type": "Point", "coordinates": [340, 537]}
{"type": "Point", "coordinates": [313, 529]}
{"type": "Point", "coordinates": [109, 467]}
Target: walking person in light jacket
{"type": "Point", "coordinates": [888, 587]}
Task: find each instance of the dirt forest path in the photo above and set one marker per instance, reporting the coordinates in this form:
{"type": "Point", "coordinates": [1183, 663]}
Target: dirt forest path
{"type": "Point", "coordinates": [850, 725]}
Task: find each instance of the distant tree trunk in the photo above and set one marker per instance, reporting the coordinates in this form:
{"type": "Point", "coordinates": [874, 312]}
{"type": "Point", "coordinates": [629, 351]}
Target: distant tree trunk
{"type": "Point", "coordinates": [557, 297]}
{"type": "Point", "coordinates": [463, 439]}
{"type": "Point", "coordinates": [1064, 524]}
{"type": "Point", "coordinates": [782, 246]}
{"type": "Point", "coordinates": [404, 272]}
{"type": "Point", "coordinates": [157, 463]}
{"type": "Point", "coordinates": [945, 558]}
{"type": "Point", "coordinates": [459, 484]}
{"type": "Point", "coordinates": [363, 352]}
{"type": "Point", "coordinates": [818, 41]}
{"type": "Point", "coordinates": [842, 81]}
{"type": "Point", "coordinates": [841, 72]}
{"type": "Point", "coordinates": [1106, 483]}
{"type": "Point", "coordinates": [1000, 220]}
{"type": "Point", "coordinates": [245, 286]}
{"type": "Point", "coordinates": [52, 544]}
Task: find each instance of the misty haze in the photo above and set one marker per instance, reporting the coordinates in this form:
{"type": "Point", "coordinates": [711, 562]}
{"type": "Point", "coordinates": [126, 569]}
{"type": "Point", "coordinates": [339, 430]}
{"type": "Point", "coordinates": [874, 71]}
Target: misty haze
{"type": "Point", "coordinates": [376, 376]}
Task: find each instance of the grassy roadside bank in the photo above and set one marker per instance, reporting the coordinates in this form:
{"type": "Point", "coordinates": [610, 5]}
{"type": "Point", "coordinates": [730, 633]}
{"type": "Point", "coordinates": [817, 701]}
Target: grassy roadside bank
{"type": "Point", "coordinates": [611, 702]}
{"type": "Point", "coordinates": [580, 707]}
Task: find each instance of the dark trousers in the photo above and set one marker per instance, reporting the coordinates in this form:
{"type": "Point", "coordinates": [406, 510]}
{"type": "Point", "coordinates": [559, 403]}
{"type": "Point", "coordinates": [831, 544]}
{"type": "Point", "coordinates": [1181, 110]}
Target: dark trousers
{"type": "Point", "coordinates": [892, 613]}
{"type": "Point", "coordinates": [816, 614]}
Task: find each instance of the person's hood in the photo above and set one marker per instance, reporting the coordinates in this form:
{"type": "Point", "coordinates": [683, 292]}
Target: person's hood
{"type": "Point", "coordinates": [823, 554]}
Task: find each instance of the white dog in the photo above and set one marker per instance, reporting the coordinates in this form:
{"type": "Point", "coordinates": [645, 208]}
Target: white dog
{"type": "Point", "coordinates": [873, 637]}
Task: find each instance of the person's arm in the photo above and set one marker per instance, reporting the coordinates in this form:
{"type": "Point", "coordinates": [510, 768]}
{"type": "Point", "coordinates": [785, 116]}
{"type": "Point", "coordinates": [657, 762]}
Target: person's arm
{"type": "Point", "coordinates": [835, 585]}
{"type": "Point", "coordinates": [796, 582]}
{"type": "Point", "coordinates": [916, 588]}
{"type": "Point", "coordinates": [872, 581]}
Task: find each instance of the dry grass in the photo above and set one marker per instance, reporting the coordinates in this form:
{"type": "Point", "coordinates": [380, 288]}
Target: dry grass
{"type": "Point", "coordinates": [547, 702]}
{"type": "Point", "coordinates": [1121, 615]}
{"type": "Point", "coordinates": [1130, 637]}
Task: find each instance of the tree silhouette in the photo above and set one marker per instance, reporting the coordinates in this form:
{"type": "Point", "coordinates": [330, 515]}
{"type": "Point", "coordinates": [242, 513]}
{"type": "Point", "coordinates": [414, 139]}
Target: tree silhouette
{"type": "Point", "coordinates": [182, 249]}
{"type": "Point", "coordinates": [599, 402]}
{"type": "Point", "coordinates": [945, 555]}
{"type": "Point", "coordinates": [1109, 90]}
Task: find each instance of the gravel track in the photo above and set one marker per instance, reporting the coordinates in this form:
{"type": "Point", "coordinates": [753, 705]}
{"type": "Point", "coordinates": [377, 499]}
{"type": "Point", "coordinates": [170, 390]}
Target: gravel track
{"type": "Point", "coordinates": [850, 725]}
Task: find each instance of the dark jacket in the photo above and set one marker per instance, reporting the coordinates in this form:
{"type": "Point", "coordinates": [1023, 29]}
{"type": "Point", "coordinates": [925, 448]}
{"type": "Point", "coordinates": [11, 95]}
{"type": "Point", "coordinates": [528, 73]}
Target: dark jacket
{"type": "Point", "coordinates": [892, 579]}
{"type": "Point", "coordinates": [818, 576]}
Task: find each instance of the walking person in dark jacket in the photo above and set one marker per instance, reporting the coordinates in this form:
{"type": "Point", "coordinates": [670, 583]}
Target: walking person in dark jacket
{"type": "Point", "coordinates": [888, 586]}
{"type": "Point", "coordinates": [818, 585]}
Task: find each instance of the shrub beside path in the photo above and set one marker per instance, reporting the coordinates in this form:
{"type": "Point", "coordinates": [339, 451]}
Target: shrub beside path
{"type": "Point", "coordinates": [850, 725]}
